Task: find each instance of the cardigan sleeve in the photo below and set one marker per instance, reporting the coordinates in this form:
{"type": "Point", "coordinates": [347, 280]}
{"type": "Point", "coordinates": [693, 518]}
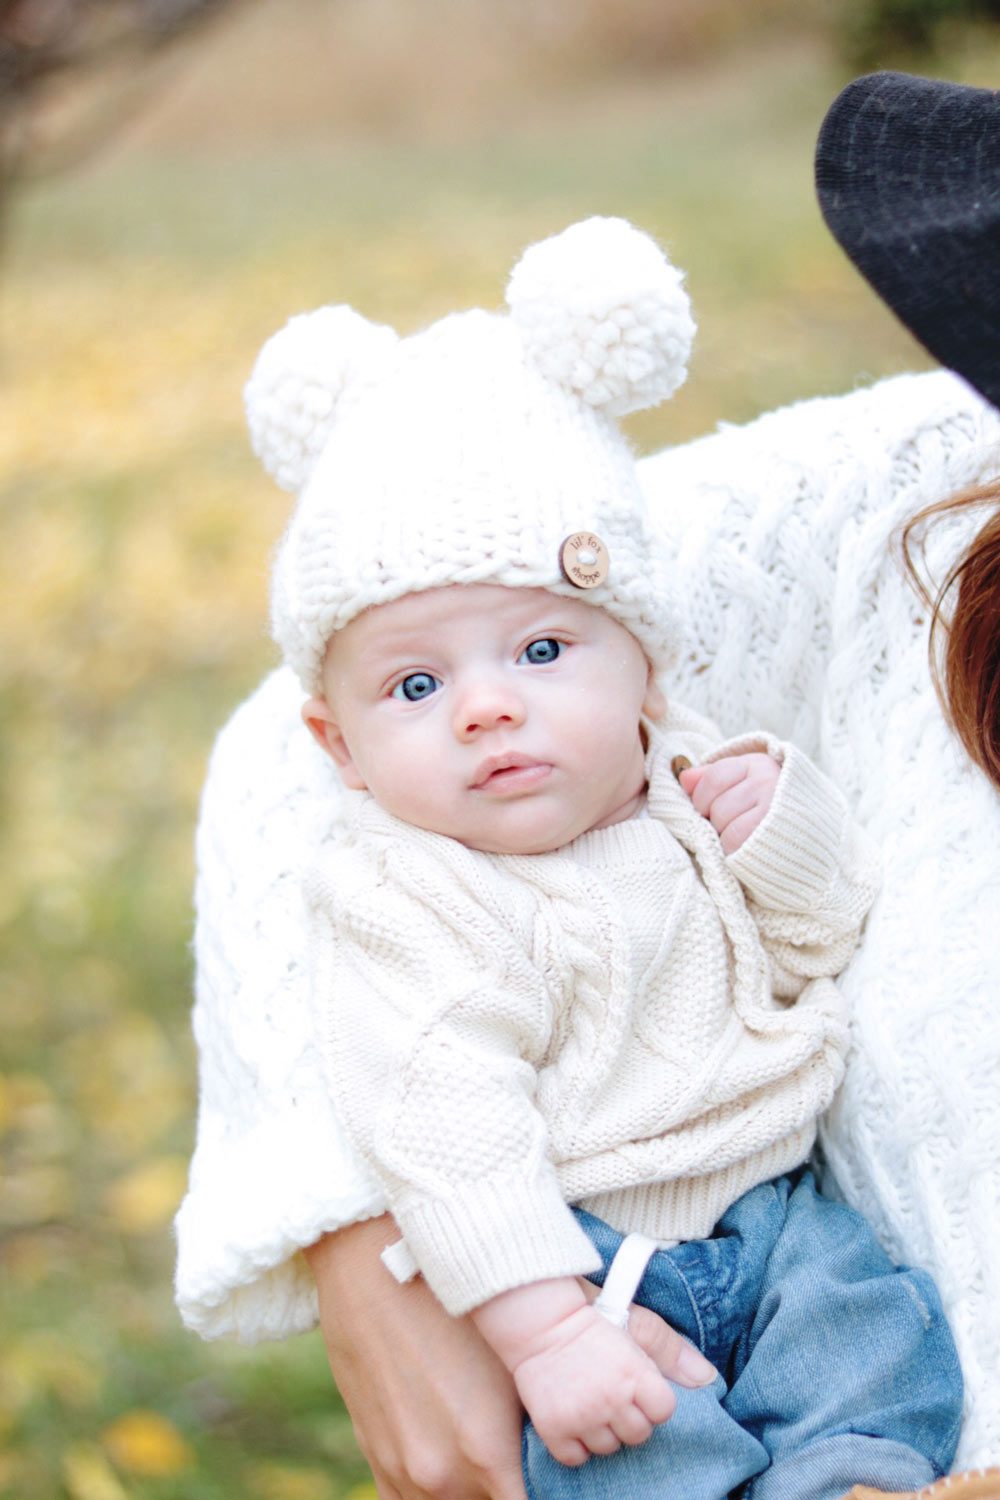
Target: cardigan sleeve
{"type": "Point", "coordinates": [432, 1021]}
{"type": "Point", "coordinates": [272, 1168]}
{"type": "Point", "coordinates": [810, 872]}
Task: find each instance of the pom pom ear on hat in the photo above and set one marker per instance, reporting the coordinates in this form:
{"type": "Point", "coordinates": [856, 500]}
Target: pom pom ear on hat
{"type": "Point", "coordinates": [299, 381]}
{"type": "Point", "coordinates": [603, 313]}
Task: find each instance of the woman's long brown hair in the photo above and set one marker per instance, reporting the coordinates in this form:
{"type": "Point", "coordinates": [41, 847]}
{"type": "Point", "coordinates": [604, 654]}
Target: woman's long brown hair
{"type": "Point", "coordinates": [965, 624]}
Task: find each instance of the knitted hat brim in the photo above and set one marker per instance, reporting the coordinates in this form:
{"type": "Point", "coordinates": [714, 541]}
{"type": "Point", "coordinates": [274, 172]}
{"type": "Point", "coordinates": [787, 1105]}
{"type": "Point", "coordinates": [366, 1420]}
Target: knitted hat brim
{"type": "Point", "coordinates": [908, 180]}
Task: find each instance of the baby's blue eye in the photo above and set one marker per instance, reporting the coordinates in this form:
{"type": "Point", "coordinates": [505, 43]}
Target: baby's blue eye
{"type": "Point", "coordinates": [539, 653]}
{"type": "Point", "coordinates": [418, 685]}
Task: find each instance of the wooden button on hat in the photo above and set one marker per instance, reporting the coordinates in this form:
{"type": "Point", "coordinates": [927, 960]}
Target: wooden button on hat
{"type": "Point", "coordinates": [584, 560]}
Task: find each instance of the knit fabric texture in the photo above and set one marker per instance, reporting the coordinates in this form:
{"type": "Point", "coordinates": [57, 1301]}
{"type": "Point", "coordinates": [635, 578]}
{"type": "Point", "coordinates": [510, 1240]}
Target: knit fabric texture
{"type": "Point", "coordinates": [607, 1025]}
{"type": "Point", "coordinates": [798, 617]}
{"type": "Point", "coordinates": [470, 452]}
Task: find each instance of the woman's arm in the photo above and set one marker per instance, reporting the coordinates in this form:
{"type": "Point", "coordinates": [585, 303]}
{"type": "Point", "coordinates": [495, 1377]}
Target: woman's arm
{"type": "Point", "coordinates": [434, 1411]}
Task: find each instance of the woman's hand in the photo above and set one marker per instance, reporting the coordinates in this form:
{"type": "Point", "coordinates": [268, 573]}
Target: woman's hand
{"type": "Point", "coordinates": [434, 1411]}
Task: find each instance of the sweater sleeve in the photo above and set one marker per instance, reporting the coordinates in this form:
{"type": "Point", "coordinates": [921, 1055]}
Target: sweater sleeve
{"type": "Point", "coordinates": [809, 871]}
{"type": "Point", "coordinates": [272, 1168]}
{"type": "Point", "coordinates": [432, 1022]}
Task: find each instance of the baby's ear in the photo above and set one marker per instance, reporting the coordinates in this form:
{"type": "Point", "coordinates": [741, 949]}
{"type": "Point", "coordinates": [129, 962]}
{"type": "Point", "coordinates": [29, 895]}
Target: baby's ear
{"type": "Point", "coordinates": [654, 705]}
{"type": "Point", "coordinates": [319, 720]}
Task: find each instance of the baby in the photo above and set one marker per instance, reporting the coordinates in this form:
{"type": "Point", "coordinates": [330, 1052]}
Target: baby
{"type": "Point", "coordinates": [572, 956]}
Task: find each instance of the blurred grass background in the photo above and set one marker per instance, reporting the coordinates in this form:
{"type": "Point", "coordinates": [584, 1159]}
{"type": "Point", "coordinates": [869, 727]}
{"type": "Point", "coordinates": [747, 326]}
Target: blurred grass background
{"type": "Point", "coordinates": [397, 155]}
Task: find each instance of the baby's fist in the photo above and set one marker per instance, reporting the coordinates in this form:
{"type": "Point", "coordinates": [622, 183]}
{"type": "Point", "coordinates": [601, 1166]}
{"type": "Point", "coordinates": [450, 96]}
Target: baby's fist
{"type": "Point", "coordinates": [592, 1390]}
{"type": "Point", "coordinates": [734, 794]}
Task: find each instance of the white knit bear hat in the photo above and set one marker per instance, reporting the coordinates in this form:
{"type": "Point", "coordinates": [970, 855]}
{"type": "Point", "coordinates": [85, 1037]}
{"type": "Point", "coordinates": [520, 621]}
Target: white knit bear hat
{"type": "Point", "coordinates": [482, 450]}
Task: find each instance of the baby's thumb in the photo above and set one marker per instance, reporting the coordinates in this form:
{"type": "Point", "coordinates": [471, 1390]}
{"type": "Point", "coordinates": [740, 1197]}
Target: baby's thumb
{"type": "Point", "coordinates": [673, 1356]}
{"type": "Point", "coordinates": [690, 777]}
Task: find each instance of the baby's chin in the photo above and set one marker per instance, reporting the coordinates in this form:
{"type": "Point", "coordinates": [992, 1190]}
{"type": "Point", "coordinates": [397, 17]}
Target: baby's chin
{"type": "Point", "coordinates": [545, 846]}
{"type": "Point", "coordinates": [548, 841]}
{"type": "Point", "coordinates": [531, 838]}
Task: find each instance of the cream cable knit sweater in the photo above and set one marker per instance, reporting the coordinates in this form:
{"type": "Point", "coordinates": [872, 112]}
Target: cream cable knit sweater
{"type": "Point", "coordinates": [505, 1034]}
{"type": "Point", "coordinates": [800, 620]}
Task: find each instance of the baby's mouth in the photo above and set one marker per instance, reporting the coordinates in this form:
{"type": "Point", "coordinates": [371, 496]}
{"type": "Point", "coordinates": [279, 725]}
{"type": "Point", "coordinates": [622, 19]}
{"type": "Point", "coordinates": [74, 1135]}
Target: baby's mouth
{"type": "Point", "coordinates": [511, 772]}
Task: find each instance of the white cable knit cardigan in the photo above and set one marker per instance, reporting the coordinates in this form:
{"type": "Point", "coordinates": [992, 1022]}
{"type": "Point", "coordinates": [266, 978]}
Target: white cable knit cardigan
{"type": "Point", "coordinates": [601, 1025]}
{"type": "Point", "coordinates": [799, 620]}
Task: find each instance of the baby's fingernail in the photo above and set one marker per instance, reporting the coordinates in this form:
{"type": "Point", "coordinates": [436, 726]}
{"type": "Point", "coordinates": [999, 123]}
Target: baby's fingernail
{"type": "Point", "coordinates": [695, 1367]}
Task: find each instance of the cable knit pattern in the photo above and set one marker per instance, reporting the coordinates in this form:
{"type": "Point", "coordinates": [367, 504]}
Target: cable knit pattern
{"type": "Point", "coordinates": [498, 1037]}
{"type": "Point", "coordinates": [799, 619]}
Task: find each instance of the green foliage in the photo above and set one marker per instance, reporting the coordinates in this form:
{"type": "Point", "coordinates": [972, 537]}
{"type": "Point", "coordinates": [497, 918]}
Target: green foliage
{"type": "Point", "coordinates": [874, 33]}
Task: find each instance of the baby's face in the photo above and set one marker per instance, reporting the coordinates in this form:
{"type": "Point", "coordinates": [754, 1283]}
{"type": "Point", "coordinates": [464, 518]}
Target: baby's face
{"type": "Point", "coordinates": [505, 718]}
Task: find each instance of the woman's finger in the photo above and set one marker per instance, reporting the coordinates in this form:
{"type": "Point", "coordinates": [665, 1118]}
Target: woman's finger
{"type": "Point", "coordinates": [673, 1356]}
{"type": "Point", "coordinates": [384, 1487]}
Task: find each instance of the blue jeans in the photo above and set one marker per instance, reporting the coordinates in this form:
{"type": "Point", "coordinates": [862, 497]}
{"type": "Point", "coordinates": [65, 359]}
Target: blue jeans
{"type": "Point", "coordinates": [835, 1367]}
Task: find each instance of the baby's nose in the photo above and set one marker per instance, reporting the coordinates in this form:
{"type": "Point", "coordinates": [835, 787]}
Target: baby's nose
{"type": "Point", "coordinates": [487, 706]}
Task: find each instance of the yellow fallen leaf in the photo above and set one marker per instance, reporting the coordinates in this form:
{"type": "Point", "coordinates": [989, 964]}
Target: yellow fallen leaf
{"type": "Point", "coordinates": [283, 1482]}
{"type": "Point", "coordinates": [147, 1197]}
{"type": "Point", "coordinates": [44, 1361]}
{"type": "Point", "coordinates": [87, 1474]}
{"type": "Point", "coordinates": [129, 1088]}
{"type": "Point", "coordinates": [36, 1193]}
{"type": "Point", "coordinates": [143, 1442]}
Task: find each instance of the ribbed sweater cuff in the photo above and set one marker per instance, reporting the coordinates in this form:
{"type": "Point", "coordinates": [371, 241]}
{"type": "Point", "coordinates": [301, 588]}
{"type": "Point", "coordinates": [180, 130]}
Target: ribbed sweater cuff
{"type": "Point", "coordinates": [790, 860]}
{"type": "Point", "coordinates": [489, 1236]}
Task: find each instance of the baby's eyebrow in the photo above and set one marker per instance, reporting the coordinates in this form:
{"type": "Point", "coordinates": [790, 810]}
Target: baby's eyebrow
{"type": "Point", "coordinates": [381, 658]}
{"type": "Point", "coordinates": [392, 647]}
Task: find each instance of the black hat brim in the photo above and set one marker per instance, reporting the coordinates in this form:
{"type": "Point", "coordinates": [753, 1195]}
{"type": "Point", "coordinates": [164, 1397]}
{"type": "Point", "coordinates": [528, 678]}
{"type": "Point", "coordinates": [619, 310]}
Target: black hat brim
{"type": "Point", "coordinates": [908, 180]}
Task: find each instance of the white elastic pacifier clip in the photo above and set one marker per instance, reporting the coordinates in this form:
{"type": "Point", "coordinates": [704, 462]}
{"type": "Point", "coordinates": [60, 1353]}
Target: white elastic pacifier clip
{"type": "Point", "coordinates": [624, 1275]}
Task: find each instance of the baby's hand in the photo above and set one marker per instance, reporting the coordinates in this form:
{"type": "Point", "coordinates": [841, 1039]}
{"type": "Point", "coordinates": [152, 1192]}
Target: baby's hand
{"type": "Point", "coordinates": [734, 794]}
{"type": "Point", "coordinates": [590, 1388]}
{"type": "Point", "coordinates": [586, 1385]}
